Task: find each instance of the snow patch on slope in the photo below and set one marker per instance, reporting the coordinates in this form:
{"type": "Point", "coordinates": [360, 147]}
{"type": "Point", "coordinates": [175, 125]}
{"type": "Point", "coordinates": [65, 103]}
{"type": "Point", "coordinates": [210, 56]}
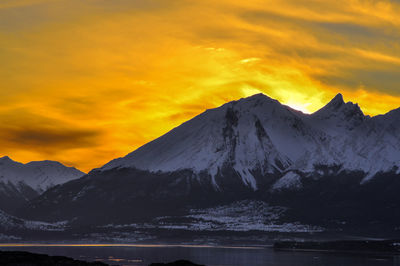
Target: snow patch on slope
{"type": "Point", "coordinates": [9, 222]}
{"type": "Point", "coordinates": [290, 181]}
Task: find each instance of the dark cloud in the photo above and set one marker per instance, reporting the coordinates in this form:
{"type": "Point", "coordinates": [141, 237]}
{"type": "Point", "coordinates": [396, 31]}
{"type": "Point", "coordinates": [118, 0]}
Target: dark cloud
{"type": "Point", "coordinates": [142, 5]}
{"type": "Point", "coordinates": [21, 129]}
{"type": "Point", "coordinates": [31, 15]}
{"type": "Point", "coordinates": [43, 138]}
{"type": "Point", "coordinates": [385, 81]}
{"type": "Point", "coordinates": [374, 79]}
{"type": "Point", "coordinates": [353, 31]}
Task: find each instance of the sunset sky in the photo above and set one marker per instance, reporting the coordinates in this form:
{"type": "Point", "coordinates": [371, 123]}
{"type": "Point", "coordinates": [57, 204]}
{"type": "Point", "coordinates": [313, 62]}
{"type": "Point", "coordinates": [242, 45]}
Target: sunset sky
{"type": "Point", "coordinates": [85, 81]}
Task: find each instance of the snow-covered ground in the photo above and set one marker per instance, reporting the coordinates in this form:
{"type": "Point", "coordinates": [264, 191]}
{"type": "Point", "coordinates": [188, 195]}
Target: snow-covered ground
{"type": "Point", "coordinates": [9, 222]}
{"type": "Point", "coordinates": [242, 216]}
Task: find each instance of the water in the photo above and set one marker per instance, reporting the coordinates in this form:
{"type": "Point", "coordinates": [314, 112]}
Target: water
{"type": "Point", "coordinates": [140, 255]}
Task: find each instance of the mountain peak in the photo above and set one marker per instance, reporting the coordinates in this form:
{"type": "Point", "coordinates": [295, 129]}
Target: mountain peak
{"type": "Point", "coordinates": [338, 106]}
{"type": "Point", "coordinates": [257, 98]}
{"type": "Point", "coordinates": [46, 162]}
{"type": "Point", "coordinates": [39, 175]}
{"type": "Point", "coordinates": [257, 101]}
{"type": "Point", "coordinates": [336, 102]}
{"type": "Point", "coordinates": [5, 159]}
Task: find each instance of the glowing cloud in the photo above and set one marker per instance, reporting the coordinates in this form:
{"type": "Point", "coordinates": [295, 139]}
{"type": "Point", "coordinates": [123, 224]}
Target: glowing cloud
{"type": "Point", "coordinates": [84, 82]}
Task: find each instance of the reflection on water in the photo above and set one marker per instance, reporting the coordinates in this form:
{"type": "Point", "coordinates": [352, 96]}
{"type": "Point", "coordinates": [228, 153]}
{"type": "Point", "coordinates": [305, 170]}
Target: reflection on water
{"type": "Point", "coordinates": [145, 254]}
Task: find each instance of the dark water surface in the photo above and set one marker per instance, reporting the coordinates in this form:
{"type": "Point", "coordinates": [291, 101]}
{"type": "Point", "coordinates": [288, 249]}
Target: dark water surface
{"type": "Point", "coordinates": [211, 256]}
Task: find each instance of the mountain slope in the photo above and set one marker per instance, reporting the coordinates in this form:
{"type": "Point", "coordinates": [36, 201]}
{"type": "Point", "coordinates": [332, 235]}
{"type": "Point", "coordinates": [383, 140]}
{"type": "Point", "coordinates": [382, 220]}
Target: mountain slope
{"type": "Point", "coordinates": [253, 148]}
{"type": "Point", "coordinates": [22, 182]}
{"type": "Point", "coordinates": [253, 134]}
{"type": "Point", "coordinates": [258, 133]}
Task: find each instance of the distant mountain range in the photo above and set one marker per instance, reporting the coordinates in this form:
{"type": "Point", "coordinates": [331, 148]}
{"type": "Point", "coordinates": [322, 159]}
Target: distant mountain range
{"type": "Point", "coordinates": [335, 169]}
{"type": "Point", "coordinates": [20, 183]}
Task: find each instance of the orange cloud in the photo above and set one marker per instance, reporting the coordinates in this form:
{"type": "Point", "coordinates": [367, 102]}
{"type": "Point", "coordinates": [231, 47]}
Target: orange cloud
{"type": "Point", "coordinates": [101, 78]}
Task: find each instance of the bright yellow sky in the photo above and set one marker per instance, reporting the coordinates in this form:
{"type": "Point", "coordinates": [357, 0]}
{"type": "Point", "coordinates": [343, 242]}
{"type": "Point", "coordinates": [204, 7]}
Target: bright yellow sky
{"type": "Point", "coordinates": [85, 81]}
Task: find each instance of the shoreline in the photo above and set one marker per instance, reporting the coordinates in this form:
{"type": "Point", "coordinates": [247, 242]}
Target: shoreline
{"type": "Point", "coordinates": [389, 247]}
{"type": "Point", "coordinates": [6, 245]}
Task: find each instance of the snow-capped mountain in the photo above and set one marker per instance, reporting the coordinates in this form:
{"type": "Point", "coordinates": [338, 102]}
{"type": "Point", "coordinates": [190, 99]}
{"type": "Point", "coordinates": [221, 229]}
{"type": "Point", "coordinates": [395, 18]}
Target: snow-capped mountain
{"type": "Point", "coordinates": [39, 175]}
{"type": "Point", "coordinates": [333, 164]}
{"type": "Point", "coordinates": [260, 134]}
{"type": "Point", "coordinates": [20, 182]}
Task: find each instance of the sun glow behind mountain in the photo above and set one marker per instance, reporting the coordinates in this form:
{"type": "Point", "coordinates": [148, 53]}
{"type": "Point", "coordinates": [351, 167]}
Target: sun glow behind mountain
{"type": "Point", "coordinates": [83, 82]}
